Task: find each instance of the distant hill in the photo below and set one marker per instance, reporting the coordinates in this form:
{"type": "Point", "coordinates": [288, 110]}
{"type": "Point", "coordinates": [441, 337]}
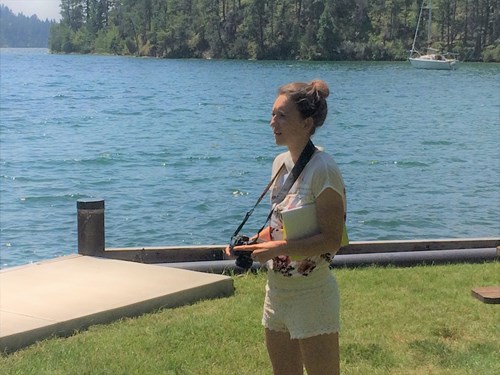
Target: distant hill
{"type": "Point", "coordinates": [21, 31]}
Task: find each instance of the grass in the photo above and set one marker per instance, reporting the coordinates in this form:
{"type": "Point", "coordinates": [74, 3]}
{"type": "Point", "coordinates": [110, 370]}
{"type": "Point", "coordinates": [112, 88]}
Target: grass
{"type": "Point", "coordinates": [419, 320]}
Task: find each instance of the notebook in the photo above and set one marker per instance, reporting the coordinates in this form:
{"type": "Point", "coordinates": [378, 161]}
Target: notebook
{"type": "Point", "coordinates": [300, 222]}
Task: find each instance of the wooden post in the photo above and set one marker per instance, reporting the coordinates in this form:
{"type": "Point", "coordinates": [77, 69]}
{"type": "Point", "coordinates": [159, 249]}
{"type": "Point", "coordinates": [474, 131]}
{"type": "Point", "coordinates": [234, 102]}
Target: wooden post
{"type": "Point", "coordinates": [90, 226]}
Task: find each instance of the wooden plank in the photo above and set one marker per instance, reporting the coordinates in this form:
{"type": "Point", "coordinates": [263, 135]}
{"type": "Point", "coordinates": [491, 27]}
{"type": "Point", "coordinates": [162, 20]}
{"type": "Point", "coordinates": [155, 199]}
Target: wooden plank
{"type": "Point", "coordinates": [369, 247]}
{"type": "Point", "coordinates": [172, 254]}
{"type": "Point", "coordinates": [487, 294]}
{"type": "Point", "coordinates": [166, 254]}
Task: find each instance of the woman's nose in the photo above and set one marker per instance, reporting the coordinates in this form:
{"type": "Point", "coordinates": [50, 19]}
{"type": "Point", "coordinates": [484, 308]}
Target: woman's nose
{"type": "Point", "coordinates": [272, 122]}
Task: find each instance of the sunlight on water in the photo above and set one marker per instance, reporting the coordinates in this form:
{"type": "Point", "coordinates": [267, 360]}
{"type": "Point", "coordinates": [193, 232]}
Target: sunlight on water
{"type": "Point", "coordinates": [181, 149]}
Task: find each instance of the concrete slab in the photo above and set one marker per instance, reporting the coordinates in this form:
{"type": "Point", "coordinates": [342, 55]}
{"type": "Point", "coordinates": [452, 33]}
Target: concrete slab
{"type": "Point", "coordinates": [63, 295]}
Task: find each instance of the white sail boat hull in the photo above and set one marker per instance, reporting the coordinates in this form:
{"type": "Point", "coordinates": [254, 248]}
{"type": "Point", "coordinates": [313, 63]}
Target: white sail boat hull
{"type": "Point", "coordinates": [429, 62]}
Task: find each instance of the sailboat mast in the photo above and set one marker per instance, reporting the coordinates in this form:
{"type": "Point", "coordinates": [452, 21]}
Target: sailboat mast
{"type": "Point", "coordinates": [416, 30]}
{"type": "Point", "coordinates": [429, 32]}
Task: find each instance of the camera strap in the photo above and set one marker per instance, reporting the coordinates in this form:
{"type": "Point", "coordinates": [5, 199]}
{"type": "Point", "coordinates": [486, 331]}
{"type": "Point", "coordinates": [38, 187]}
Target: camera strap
{"type": "Point", "coordinates": [304, 158]}
{"type": "Point", "coordinates": [297, 169]}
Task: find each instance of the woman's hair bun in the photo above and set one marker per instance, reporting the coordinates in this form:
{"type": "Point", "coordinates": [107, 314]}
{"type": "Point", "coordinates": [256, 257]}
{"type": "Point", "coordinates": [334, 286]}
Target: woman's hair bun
{"type": "Point", "coordinates": [321, 88]}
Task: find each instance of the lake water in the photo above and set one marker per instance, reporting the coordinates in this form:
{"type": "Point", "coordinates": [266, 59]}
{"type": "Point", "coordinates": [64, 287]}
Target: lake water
{"type": "Point", "coordinates": [181, 149]}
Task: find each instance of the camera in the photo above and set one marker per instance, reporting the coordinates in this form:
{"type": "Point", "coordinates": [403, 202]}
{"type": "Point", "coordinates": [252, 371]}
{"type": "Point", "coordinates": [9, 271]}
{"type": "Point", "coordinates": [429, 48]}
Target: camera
{"type": "Point", "coordinates": [243, 258]}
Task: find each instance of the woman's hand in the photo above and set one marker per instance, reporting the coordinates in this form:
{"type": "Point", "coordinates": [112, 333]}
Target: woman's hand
{"type": "Point", "coordinates": [262, 252]}
{"type": "Point", "coordinates": [261, 237]}
{"type": "Point", "coordinates": [227, 251]}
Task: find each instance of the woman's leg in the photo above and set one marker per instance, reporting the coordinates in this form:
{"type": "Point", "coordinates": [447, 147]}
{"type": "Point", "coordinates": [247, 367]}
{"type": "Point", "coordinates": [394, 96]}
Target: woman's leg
{"type": "Point", "coordinates": [320, 354]}
{"type": "Point", "coordinates": [284, 353]}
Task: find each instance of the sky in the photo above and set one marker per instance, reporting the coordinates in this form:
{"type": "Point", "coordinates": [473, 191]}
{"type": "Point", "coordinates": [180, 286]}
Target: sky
{"type": "Point", "coordinates": [42, 8]}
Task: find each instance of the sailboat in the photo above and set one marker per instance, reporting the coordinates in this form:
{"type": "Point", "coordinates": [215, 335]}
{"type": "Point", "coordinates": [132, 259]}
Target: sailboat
{"type": "Point", "coordinates": [433, 59]}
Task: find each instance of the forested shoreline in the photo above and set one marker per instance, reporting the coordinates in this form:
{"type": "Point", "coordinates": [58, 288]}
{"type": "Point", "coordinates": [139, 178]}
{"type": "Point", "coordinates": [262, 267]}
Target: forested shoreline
{"type": "Point", "coordinates": [22, 31]}
{"type": "Point", "coordinates": [276, 29]}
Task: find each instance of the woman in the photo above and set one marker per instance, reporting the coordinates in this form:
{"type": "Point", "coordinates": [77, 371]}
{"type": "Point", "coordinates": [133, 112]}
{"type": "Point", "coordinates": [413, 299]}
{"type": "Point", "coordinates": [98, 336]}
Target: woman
{"type": "Point", "coordinates": [301, 308]}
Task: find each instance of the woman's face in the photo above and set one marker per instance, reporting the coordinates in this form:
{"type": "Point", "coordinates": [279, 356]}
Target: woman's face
{"type": "Point", "coordinates": [288, 126]}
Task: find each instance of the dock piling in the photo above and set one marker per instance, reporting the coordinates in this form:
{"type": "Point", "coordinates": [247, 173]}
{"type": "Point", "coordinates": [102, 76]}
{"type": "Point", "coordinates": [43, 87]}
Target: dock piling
{"type": "Point", "coordinates": [90, 227]}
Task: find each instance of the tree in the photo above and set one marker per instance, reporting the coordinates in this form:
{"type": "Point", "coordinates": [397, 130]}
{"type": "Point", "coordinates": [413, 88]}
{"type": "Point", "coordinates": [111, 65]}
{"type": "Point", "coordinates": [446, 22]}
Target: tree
{"type": "Point", "coordinates": [328, 36]}
{"type": "Point", "coordinates": [21, 31]}
{"type": "Point", "coordinates": [274, 29]}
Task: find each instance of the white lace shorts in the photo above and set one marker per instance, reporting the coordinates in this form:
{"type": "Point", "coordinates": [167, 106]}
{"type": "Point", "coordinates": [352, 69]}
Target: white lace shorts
{"type": "Point", "coordinates": [302, 306]}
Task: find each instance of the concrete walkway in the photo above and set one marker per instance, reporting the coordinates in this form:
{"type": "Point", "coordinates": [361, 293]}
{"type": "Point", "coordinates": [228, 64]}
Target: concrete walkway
{"type": "Point", "coordinates": [60, 296]}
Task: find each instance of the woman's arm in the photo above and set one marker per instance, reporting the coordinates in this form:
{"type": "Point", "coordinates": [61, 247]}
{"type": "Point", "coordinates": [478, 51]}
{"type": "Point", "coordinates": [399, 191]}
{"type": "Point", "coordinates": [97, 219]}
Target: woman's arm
{"type": "Point", "coordinates": [263, 236]}
{"type": "Point", "coordinates": [330, 212]}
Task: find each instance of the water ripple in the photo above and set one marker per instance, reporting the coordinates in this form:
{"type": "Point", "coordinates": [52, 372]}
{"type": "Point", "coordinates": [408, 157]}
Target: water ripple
{"type": "Point", "coordinates": [183, 167]}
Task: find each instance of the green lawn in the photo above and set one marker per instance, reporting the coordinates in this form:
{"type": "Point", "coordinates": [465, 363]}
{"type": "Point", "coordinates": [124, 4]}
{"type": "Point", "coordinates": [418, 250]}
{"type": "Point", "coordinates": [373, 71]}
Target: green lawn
{"type": "Point", "coordinates": [419, 320]}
